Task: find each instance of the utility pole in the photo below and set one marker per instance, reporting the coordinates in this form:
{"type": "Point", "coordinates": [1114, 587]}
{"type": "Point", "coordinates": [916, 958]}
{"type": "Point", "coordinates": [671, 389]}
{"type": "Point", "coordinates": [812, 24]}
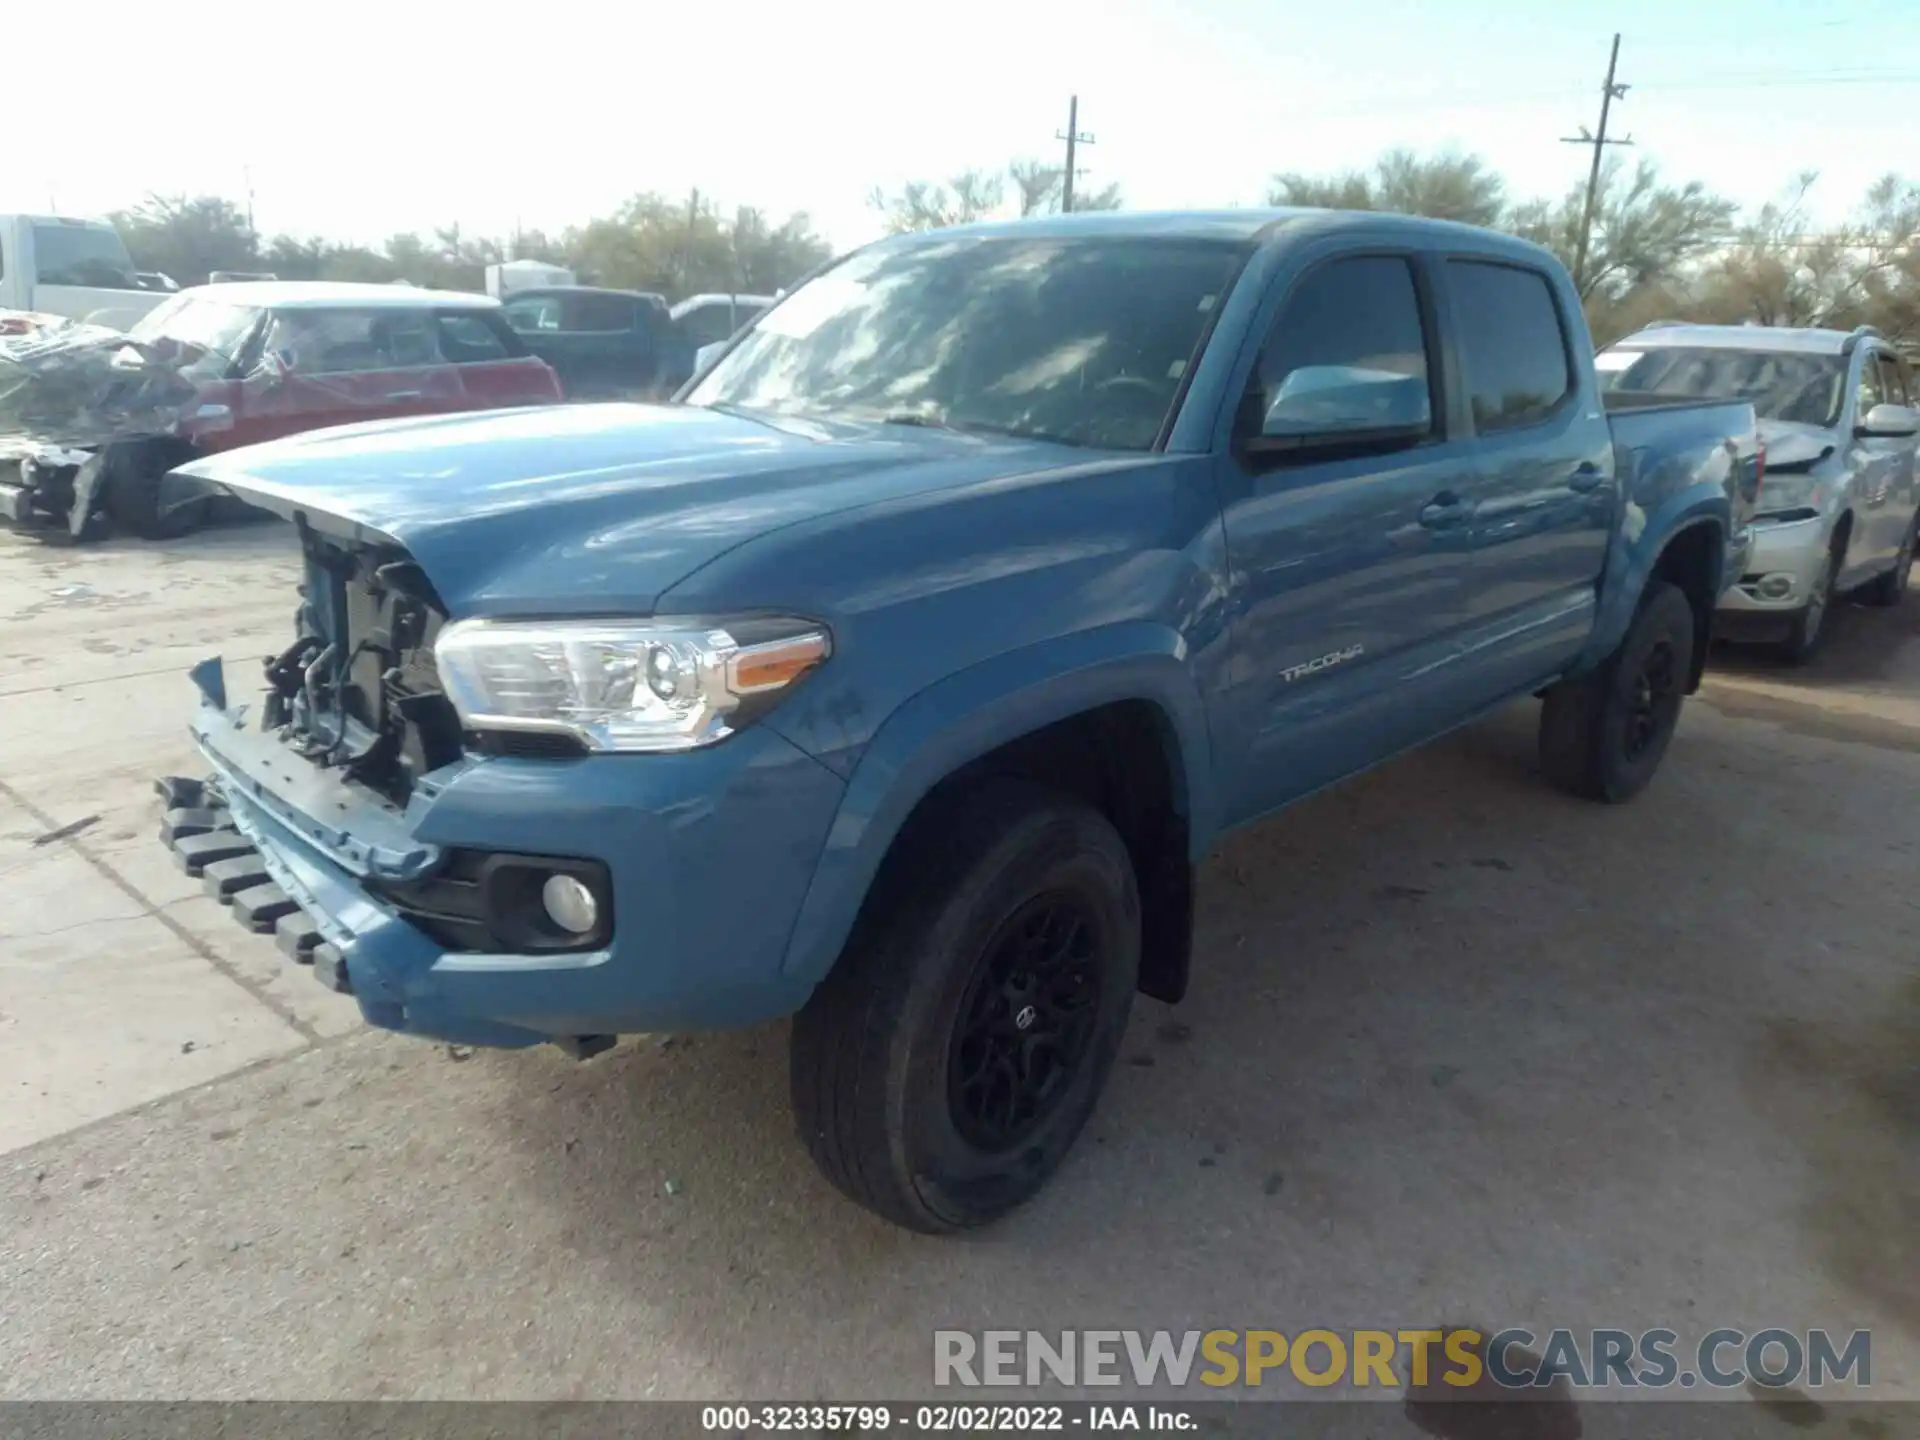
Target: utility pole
{"type": "Point", "coordinates": [686, 249]}
{"type": "Point", "coordinates": [1073, 137]}
{"type": "Point", "coordinates": [1609, 92]}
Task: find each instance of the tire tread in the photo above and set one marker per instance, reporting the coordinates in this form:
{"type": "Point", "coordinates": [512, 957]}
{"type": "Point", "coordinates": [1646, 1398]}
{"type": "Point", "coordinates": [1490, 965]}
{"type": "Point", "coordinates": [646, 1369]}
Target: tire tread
{"type": "Point", "coordinates": [838, 1050]}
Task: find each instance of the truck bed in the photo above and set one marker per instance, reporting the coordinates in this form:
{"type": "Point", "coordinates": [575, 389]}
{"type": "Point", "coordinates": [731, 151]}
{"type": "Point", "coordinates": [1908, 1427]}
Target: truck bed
{"type": "Point", "coordinates": [1658, 436]}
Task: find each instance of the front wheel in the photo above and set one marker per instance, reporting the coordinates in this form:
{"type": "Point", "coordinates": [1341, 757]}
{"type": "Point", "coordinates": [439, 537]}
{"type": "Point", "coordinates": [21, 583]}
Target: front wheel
{"type": "Point", "coordinates": [133, 481]}
{"type": "Point", "coordinates": [1891, 588]}
{"type": "Point", "coordinates": [1807, 631]}
{"type": "Point", "coordinates": [1603, 736]}
{"type": "Point", "coordinates": [943, 1069]}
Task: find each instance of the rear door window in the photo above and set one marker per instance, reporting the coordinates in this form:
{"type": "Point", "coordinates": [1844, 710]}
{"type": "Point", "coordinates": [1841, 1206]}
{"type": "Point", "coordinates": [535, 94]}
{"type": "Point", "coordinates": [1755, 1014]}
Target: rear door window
{"type": "Point", "coordinates": [597, 314]}
{"type": "Point", "coordinates": [707, 324]}
{"type": "Point", "coordinates": [1893, 379]}
{"type": "Point", "coordinates": [82, 255]}
{"type": "Point", "coordinates": [533, 315]}
{"type": "Point", "coordinates": [1512, 344]}
{"type": "Point", "coordinates": [474, 339]}
{"type": "Point", "coordinates": [339, 342]}
{"type": "Point", "coordinates": [1869, 394]}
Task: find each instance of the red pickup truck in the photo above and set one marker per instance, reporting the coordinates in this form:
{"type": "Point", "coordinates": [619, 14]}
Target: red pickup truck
{"type": "Point", "coordinates": [223, 366]}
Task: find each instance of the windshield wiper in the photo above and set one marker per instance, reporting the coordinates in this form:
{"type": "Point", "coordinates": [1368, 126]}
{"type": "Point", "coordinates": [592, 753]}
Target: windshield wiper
{"type": "Point", "coordinates": [738, 412]}
{"type": "Point", "coordinates": [981, 427]}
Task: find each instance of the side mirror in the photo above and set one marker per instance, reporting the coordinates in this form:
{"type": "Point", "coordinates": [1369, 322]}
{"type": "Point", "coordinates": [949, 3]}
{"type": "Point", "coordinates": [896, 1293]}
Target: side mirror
{"type": "Point", "coordinates": [707, 354]}
{"type": "Point", "coordinates": [1889, 422]}
{"type": "Point", "coordinates": [1320, 405]}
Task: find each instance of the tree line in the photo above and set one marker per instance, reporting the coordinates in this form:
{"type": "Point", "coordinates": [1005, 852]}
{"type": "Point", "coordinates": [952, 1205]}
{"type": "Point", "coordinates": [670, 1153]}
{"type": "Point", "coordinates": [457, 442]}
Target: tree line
{"type": "Point", "coordinates": [672, 247]}
{"type": "Point", "coordinates": [1657, 249]}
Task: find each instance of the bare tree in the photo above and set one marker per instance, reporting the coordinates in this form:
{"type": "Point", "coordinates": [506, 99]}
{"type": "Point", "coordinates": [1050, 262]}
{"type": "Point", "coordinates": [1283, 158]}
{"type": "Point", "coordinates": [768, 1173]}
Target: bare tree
{"type": "Point", "coordinates": [931, 205]}
{"type": "Point", "coordinates": [1036, 186]}
{"type": "Point", "coordinates": [978, 194]}
{"type": "Point", "coordinates": [1645, 232]}
{"type": "Point", "coordinates": [1784, 270]}
{"type": "Point", "coordinates": [1445, 187]}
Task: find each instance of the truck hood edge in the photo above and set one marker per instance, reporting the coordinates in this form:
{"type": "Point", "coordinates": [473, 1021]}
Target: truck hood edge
{"type": "Point", "coordinates": [591, 509]}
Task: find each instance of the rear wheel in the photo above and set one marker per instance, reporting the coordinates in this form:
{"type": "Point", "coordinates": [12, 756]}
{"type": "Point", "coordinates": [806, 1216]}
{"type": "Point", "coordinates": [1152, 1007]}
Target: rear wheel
{"type": "Point", "coordinates": [944, 1068]}
{"type": "Point", "coordinates": [1891, 588]}
{"type": "Point", "coordinates": [1603, 736]}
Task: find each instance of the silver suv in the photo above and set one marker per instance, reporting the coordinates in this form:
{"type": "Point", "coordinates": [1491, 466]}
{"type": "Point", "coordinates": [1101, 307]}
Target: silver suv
{"type": "Point", "coordinates": [1838, 502]}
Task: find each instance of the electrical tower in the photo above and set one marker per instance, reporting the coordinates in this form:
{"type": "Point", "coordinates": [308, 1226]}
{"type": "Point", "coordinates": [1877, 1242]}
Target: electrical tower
{"type": "Point", "coordinates": [1073, 137]}
{"type": "Point", "coordinates": [1609, 92]}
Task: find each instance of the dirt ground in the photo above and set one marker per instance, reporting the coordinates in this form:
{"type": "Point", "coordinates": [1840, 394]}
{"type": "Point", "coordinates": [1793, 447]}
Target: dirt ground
{"type": "Point", "coordinates": [1459, 1050]}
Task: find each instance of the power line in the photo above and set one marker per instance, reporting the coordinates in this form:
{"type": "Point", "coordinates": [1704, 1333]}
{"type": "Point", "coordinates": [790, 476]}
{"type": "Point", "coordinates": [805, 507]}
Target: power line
{"type": "Point", "coordinates": [1609, 92]}
{"type": "Point", "coordinates": [1435, 101]}
{"type": "Point", "coordinates": [1778, 82]}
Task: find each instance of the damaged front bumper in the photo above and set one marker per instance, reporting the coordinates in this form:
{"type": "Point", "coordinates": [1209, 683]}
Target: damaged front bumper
{"type": "Point", "coordinates": [707, 854]}
{"type": "Point", "coordinates": [48, 485]}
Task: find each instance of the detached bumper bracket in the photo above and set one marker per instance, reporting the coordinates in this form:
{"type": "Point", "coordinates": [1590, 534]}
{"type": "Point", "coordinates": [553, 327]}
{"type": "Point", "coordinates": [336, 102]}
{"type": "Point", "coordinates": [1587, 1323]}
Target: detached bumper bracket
{"type": "Point", "coordinates": [201, 835]}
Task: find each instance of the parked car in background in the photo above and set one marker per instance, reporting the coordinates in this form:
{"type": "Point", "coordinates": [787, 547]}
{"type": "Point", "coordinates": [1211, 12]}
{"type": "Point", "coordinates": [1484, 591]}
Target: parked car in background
{"type": "Point", "coordinates": [59, 265]}
{"type": "Point", "coordinates": [604, 344]}
{"type": "Point", "coordinates": [706, 322]}
{"type": "Point", "coordinates": [242, 363]}
{"type": "Point", "coordinates": [900, 686]}
{"type": "Point", "coordinates": [708, 319]}
{"type": "Point", "coordinates": [1838, 510]}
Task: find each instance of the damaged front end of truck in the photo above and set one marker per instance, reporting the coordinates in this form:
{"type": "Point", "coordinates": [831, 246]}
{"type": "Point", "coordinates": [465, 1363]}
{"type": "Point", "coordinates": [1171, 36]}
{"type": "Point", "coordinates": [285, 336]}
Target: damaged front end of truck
{"type": "Point", "coordinates": [305, 817]}
{"type": "Point", "coordinates": [486, 788]}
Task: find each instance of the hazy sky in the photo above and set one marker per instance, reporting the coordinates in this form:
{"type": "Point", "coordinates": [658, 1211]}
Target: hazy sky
{"type": "Point", "coordinates": [362, 119]}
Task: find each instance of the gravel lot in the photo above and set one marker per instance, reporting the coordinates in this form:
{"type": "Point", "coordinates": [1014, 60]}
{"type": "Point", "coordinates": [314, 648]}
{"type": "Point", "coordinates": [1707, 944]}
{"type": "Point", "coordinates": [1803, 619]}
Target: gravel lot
{"type": "Point", "coordinates": [1459, 1049]}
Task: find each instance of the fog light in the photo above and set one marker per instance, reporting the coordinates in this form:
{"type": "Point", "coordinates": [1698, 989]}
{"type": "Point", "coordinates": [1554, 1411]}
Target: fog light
{"type": "Point", "coordinates": [570, 904]}
{"type": "Point", "coordinates": [1776, 587]}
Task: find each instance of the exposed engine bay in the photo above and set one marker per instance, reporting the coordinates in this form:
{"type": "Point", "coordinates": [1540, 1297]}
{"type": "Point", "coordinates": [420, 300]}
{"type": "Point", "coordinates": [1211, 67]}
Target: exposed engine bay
{"type": "Point", "coordinates": [358, 688]}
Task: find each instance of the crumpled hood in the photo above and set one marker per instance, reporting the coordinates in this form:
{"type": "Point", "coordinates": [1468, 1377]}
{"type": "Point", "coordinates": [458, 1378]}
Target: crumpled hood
{"type": "Point", "coordinates": [592, 509]}
{"type": "Point", "coordinates": [70, 385]}
{"type": "Point", "coordinates": [1794, 445]}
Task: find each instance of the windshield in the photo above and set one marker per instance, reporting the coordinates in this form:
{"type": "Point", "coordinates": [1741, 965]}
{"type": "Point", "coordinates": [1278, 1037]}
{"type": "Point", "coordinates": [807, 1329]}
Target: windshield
{"type": "Point", "coordinates": [1082, 340]}
{"type": "Point", "coordinates": [1805, 389]}
{"type": "Point", "coordinates": [203, 337]}
{"type": "Point", "coordinates": [89, 255]}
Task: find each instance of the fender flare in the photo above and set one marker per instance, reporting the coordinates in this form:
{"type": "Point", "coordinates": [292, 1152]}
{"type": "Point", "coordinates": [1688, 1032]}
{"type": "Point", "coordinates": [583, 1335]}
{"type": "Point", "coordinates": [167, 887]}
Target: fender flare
{"type": "Point", "coordinates": [1631, 563]}
{"type": "Point", "coordinates": [971, 713]}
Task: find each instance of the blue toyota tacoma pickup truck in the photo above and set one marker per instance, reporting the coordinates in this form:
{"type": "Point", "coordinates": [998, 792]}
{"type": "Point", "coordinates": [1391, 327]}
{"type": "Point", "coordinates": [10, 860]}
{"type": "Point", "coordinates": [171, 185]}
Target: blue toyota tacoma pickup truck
{"type": "Point", "coordinates": [899, 674]}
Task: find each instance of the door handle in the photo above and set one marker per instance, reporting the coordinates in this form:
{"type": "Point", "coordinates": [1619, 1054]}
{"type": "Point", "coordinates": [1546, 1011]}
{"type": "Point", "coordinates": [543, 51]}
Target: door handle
{"type": "Point", "coordinates": [1443, 510]}
{"type": "Point", "coordinates": [1585, 477]}
{"type": "Point", "coordinates": [404, 395]}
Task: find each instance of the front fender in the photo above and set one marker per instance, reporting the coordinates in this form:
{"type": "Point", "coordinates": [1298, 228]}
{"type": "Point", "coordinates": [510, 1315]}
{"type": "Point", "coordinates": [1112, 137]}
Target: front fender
{"type": "Point", "coordinates": [969, 714]}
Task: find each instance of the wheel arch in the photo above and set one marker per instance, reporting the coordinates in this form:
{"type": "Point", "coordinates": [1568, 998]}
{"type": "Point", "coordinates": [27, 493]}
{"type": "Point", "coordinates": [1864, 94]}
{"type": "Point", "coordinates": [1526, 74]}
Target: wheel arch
{"type": "Point", "coordinates": [1685, 545]}
{"type": "Point", "coordinates": [1691, 561]}
{"type": "Point", "coordinates": [1113, 716]}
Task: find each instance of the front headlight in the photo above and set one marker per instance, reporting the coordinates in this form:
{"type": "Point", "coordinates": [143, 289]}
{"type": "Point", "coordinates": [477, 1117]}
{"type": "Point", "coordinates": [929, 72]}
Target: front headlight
{"type": "Point", "coordinates": [1783, 494]}
{"type": "Point", "coordinates": [623, 685]}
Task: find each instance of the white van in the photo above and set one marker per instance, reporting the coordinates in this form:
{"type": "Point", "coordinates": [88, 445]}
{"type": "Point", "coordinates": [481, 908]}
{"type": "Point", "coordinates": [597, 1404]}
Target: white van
{"type": "Point", "coordinates": [57, 265]}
